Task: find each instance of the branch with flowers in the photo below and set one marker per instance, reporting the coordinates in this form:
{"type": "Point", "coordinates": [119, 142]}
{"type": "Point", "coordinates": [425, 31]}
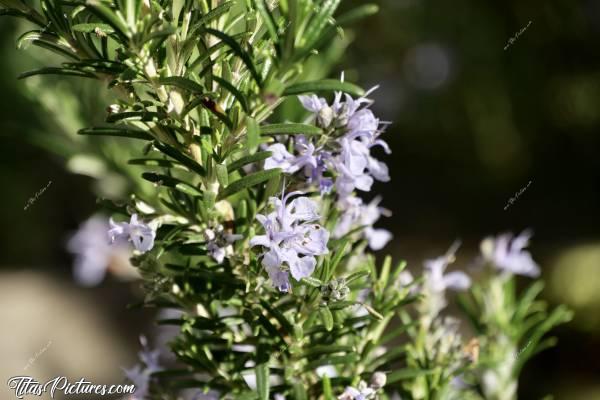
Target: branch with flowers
{"type": "Point", "coordinates": [254, 228]}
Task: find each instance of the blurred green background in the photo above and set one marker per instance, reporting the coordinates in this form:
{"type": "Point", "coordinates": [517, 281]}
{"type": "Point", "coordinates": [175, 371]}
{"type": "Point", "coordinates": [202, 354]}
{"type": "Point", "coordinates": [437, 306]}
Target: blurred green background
{"type": "Point", "coordinates": [473, 124]}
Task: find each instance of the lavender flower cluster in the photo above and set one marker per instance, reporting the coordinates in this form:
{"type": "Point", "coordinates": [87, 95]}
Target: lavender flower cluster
{"type": "Point", "coordinates": [338, 162]}
{"type": "Point", "coordinates": [292, 239]}
{"type": "Point", "coordinates": [351, 131]}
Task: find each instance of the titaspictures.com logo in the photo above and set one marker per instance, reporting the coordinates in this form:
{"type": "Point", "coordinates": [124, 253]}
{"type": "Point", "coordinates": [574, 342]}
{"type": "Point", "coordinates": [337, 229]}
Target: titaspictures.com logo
{"type": "Point", "coordinates": [26, 385]}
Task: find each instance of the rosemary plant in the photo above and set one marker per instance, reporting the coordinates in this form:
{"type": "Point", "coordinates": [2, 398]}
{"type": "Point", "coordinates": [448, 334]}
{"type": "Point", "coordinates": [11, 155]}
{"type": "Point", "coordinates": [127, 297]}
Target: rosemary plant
{"type": "Point", "coordinates": [251, 224]}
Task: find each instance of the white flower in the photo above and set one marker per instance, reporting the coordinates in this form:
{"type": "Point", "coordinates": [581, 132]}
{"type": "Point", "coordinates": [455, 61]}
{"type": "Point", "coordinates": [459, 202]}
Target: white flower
{"type": "Point", "coordinates": [326, 370]}
{"type": "Point", "coordinates": [363, 392]}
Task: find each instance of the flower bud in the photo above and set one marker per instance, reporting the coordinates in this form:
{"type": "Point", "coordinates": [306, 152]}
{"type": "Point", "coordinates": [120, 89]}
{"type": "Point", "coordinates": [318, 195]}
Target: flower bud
{"type": "Point", "coordinates": [333, 284]}
{"type": "Point", "coordinates": [325, 117]}
{"type": "Point", "coordinates": [378, 380]}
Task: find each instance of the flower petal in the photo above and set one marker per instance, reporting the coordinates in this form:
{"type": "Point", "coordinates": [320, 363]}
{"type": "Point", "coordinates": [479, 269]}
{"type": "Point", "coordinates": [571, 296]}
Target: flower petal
{"type": "Point", "coordinates": [303, 209]}
{"type": "Point", "coordinates": [260, 240]}
{"type": "Point", "coordinates": [457, 281]}
{"type": "Point", "coordinates": [303, 267]}
{"type": "Point", "coordinates": [378, 238]}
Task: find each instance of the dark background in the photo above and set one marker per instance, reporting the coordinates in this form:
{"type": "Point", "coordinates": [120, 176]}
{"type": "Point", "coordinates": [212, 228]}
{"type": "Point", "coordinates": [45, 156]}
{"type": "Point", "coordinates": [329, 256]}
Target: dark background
{"type": "Point", "coordinates": [473, 124]}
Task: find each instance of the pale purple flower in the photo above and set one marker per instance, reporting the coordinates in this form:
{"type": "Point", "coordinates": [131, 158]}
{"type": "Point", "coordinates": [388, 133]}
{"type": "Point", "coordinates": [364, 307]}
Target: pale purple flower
{"type": "Point", "coordinates": [313, 103]}
{"type": "Point", "coordinates": [140, 374]}
{"type": "Point", "coordinates": [350, 159]}
{"type": "Point", "coordinates": [315, 162]}
{"type": "Point", "coordinates": [437, 281]}
{"type": "Point", "coordinates": [340, 111]}
{"type": "Point", "coordinates": [459, 383]}
{"type": "Point", "coordinates": [312, 161]}
{"type": "Point", "coordinates": [291, 240]}
{"type": "Point", "coordinates": [150, 358]}
{"type": "Point", "coordinates": [351, 166]}
{"type": "Point", "coordinates": [140, 234]}
{"type": "Point", "coordinates": [93, 254]}
{"type": "Point", "coordinates": [281, 158]}
{"type": "Point", "coordinates": [306, 158]}
{"type": "Point", "coordinates": [353, 105]}
{"type": "Point", "coordinates": [376, 168]}
{"type": "Point", "coordinates": [289, 163]}
{"type": "Point", "coordinates": [140, 379]}
{"type": "Point", "coordinates": [508, 254]}
{"type": "Point", "coordinates": [219, 243]}
{"type": "Point", "coordinates": [356, 166]}
{"type": "Point", "coordinates": [363, 122]}
{"type": "Point", "coordinates": [346, 112]}
{"type": "Point", "coordinates": [356, 214]}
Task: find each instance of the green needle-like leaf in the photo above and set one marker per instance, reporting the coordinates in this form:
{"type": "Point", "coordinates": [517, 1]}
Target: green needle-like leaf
{"type": "Point", "coordinates": [235, 46]}
{"type": "Point", "coordinates": [251, 159]}
{"type": "Point", "coordinates": [169, 181]}
{"type": "Point", "coordinates": [234, 91]}
{"type": "Point", "coordinates": [249, 181]}
{"type": "Point", "coordinates": [253, 135]}
{"type": "Point", "coordinates": [268, 20]}
{"type": "Point", "coordinates": [109, 15]}
{"type": "Point", "coordinates": [326, 317]}
{"type": "Point", "coordinates": [182, 83]}
{"type": "Point", "coordinates": [57, 71]}
{"type": "Point", "coordinates": [181, 157]}
{"type": "Point", "coordinates": [290, 129]}
{"type": "Point", "coordinates": [262, 381]}
{"type": "Point", "coordinates": [407, 373]}
{"type": "Point", "coordinates": [92, 28]}
{"type": "Point", "coordinates": [325, 85]}
{"type": "Point", "coordinates": [119, 131]}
